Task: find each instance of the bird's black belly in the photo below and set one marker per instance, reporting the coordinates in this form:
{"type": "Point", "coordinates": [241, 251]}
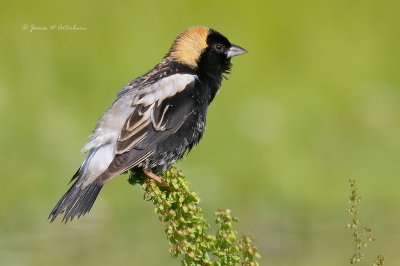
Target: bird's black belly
{"type": "Point", "coordinates": [174, 147]}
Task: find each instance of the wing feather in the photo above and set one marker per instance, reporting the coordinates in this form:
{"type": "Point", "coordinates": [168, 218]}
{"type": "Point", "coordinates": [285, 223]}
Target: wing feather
{"type": "Point", "coordinates": [151, 122]}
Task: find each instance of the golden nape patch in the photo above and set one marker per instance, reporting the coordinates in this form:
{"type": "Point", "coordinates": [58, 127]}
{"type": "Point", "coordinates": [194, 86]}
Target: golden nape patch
{"type": "Point", "coordinates": [189, 45]}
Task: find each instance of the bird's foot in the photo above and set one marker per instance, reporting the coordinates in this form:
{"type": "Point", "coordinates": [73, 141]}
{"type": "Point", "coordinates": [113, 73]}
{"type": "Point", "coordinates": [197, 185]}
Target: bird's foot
{"type": "Point", "coordinates": [156, 178]}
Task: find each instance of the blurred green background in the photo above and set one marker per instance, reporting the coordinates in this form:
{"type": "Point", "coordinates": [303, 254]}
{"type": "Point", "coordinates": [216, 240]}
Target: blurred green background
{"type": "Point", "coordinates": [316, 101]}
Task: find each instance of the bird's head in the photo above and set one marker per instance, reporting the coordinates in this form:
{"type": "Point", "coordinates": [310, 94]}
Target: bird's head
{"type": "Point", "coordinates": [205, 50]}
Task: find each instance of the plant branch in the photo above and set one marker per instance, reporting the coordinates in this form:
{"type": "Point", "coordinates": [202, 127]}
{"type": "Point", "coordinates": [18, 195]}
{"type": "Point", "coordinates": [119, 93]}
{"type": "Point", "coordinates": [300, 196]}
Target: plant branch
{"type": "Point", "coordinates": [186, 228]}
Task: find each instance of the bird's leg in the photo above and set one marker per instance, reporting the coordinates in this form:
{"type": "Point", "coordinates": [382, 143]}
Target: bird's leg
{"type": "Point", "coordinates": [155, 178]}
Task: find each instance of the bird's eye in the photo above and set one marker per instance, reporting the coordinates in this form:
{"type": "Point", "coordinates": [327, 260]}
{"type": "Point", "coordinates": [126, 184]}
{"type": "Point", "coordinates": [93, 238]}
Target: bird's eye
{"type": "Point", "coordinates": [219, 47]}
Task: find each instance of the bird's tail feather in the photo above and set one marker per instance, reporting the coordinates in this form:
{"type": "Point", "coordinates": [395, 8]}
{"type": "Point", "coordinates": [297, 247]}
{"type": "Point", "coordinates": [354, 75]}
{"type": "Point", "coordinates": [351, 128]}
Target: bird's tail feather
{"type": "Point", "coordinates": [76, 202]}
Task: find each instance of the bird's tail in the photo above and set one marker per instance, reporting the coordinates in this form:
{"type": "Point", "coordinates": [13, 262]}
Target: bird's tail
{"type": "Point", "coordinates": [76, 202]}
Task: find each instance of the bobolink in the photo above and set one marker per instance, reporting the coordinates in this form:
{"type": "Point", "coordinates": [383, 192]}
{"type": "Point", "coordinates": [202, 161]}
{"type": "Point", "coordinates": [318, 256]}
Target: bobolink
{"type": "Point", "coordinates": [155, 119]}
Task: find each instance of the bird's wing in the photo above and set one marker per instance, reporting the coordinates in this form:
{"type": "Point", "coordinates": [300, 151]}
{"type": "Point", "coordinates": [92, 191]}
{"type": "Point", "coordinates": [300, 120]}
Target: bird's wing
{"type": "Point", "coordinates": [159, 112]}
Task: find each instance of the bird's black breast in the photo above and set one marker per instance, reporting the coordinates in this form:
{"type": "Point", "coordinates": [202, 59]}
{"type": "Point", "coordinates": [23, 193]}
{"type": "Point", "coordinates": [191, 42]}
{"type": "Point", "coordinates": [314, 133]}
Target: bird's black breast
{"type": "Point", "coordinates": [185, 113]}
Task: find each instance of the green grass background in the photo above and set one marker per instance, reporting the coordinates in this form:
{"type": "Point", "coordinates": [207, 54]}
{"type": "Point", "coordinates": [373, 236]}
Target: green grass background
{"type": "Point", "coordinates": [316, 101]}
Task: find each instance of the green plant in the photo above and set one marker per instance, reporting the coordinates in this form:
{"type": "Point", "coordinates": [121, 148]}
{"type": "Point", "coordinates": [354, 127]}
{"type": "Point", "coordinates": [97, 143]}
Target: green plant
{"type": "Point", "coordinates": [185, 226]}
{"type": "Point", "coordinates": [361, 234]}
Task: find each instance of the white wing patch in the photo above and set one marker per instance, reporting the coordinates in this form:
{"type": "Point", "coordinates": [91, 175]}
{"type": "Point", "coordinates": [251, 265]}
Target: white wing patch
{"type": "Point", "coordinates": [164, 88]}
{"type": "Point", "coordinates": [104, 138]}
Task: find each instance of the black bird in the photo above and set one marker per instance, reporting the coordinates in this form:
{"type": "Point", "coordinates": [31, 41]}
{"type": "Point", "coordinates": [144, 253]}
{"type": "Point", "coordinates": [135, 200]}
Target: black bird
{"type": "Point", "coordinates": [155, 119]}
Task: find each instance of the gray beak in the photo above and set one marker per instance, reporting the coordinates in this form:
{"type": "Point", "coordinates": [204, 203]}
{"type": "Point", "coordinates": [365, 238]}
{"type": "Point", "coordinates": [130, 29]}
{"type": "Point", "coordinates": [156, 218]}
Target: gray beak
{"type": "Point", "coordinates": [235, 50]}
